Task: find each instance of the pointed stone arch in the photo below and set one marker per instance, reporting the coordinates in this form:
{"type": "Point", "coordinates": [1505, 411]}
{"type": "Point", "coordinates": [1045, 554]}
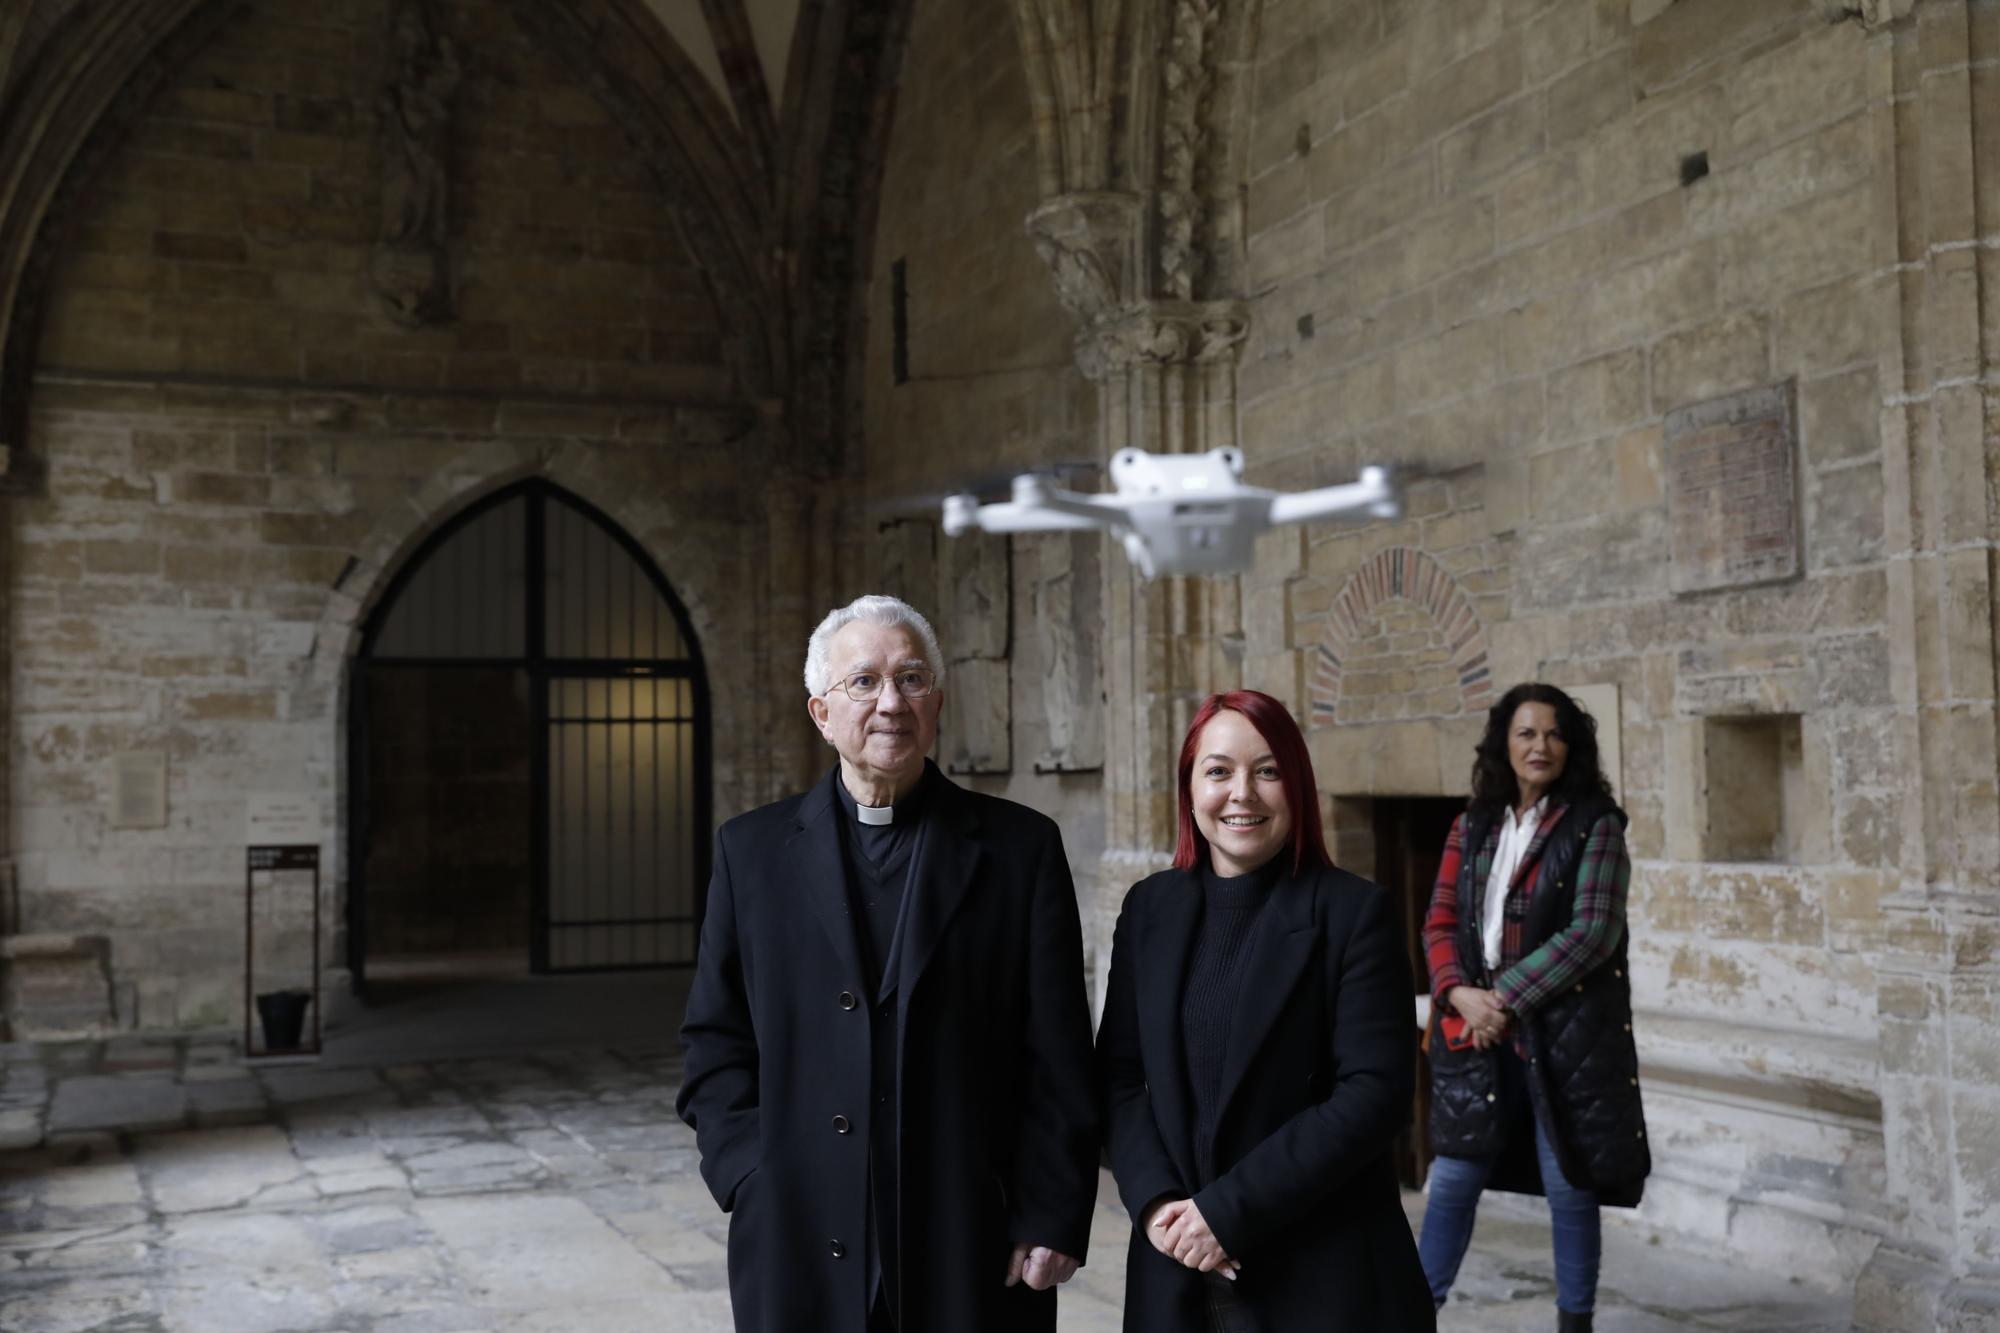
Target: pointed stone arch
{"type": "Point", "coordinates": [1401, 574]}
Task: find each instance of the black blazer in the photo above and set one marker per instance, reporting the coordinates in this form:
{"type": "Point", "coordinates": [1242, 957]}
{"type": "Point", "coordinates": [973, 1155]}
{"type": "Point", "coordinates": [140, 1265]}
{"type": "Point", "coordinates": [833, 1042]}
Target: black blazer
{"type": "Point", "coordinates": [993, 1089]}
{"type": "Point", "coordinates": [1316, 1085]}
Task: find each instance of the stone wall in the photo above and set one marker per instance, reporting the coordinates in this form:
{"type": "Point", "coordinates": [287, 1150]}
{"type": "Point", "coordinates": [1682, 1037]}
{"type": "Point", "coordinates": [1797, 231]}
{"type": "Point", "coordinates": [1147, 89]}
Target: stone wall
{"type": "Point", "coordinates": [237, 446]}
{"type": "Point", "coordinates": [989, 391]}
{"type": "Point", "coordinates": [1503, 246]}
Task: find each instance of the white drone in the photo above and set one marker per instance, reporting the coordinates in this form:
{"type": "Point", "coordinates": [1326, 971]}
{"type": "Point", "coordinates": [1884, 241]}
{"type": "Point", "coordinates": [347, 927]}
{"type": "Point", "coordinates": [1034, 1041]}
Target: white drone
{"type": "Point", "coordinates": [1175, 513]}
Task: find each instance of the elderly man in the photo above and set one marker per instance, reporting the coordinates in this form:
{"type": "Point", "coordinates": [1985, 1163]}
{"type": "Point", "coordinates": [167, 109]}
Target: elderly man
{"type": "Point", "coordinates": [888, 1045]}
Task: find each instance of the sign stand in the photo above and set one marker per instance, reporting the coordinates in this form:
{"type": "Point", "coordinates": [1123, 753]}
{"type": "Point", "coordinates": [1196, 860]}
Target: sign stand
{"type": "Point", "coordinates": [282, 859]}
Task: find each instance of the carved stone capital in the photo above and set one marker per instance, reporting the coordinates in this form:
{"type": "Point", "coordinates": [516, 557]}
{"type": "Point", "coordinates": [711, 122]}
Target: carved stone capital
{"type": "Point", "coordinates": [1162, 333]}
{"type": "Point", "coordinates": [1870, 14]}
{"type": "Point", "coordinates": [1088, 240]}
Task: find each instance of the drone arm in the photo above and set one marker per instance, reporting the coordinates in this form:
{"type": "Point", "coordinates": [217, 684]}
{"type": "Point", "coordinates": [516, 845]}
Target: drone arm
{"type": "Point", "coordinates": [1034, 508]}
{"type": "Point", "coordinates": [963, 513]}
{"type": "Point", "coordinates": [1370, 497]}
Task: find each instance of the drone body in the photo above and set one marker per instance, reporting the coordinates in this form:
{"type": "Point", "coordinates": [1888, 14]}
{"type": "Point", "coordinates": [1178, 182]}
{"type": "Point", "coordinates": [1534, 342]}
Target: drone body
{"type": "Point", "coordinates": [1175, 513]}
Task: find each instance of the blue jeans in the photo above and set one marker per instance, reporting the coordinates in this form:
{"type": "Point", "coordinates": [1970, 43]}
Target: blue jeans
{"type": "Point", "coordinates": [1455, 1186]}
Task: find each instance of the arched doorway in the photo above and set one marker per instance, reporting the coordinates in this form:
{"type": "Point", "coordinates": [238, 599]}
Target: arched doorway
{"type": "Point", "coordinates": [529, 751]}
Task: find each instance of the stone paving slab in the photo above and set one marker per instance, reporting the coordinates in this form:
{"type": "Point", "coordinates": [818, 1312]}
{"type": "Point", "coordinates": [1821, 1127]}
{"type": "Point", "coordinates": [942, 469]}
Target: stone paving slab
{"type": "Point", "coordinates": [542, 1194]}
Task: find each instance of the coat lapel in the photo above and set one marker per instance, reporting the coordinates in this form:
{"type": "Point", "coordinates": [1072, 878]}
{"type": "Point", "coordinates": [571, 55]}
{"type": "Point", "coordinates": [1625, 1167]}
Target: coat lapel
{"type": "Point", "coordinates": [1162, 962]}
{"type": "Point", "coordinates": [815, 849]}
{"type": "Point", "coordinates": [1551, 817]}
{"type": "Point", "coordinates": [947, 862]}
{"type": "Point", "coordinates": [1280, 946]}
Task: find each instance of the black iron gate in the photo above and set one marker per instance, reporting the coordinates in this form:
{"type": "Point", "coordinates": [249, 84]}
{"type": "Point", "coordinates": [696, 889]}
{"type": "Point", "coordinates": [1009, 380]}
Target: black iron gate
{"type": "Point", "coordinates": [533, 590]}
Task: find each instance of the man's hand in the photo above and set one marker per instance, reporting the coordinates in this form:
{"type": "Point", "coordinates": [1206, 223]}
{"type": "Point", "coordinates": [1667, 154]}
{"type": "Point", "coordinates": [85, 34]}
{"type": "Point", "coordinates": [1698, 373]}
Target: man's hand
{"type": "Point", "coordinates": [1040, 1267]}
{"type": "Point", "coordinates": [1482, 1012]}
{"type": "Point", "coordinates": [1185, 1238]}
{"type": "Point", "coordinates": [1163, 1215]}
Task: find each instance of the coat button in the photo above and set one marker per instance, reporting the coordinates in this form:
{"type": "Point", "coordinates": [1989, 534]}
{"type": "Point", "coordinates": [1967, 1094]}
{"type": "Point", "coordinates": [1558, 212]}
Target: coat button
{"type": "Point", "coordinates": [840, 1125]}
{"type": "Point", "coordinates": [1628, 1027]}
{"type": "Point", "coordinates": [1635, 1082]}
{"type": "Point", "coordinates": [835, 1248]}
{"type": "Point", "coordinates": [1642, 1133]}
{"type": "Point", "coordinates": [1617, 972]}
{"type": "Point", "coordinates": [847, 1000]}
{"type": "Point", "coordinates": [1579, 988]}
{"type": "Point", "coordinates": [1491, 1097]}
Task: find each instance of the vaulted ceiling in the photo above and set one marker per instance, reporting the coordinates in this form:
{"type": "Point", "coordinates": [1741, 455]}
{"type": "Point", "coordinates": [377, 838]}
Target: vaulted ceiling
{"type": "Point", "coordinates": [712, 32]}
{"type": "Point", "coordinates": [765, 120]}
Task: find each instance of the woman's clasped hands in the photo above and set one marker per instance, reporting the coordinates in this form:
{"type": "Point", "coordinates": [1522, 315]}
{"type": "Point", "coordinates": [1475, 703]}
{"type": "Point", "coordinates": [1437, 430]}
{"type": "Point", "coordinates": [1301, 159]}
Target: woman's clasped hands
{"type": "Point", "coordinates": [1178, 1230]}
{"type": "Point", "coordinates": [1483, 1012]}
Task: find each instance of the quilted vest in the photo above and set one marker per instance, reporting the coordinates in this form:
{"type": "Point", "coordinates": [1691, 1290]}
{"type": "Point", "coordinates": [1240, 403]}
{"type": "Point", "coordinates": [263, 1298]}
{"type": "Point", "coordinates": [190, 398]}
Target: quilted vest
{"type": "Point", "coordinates": [1583, 1068]}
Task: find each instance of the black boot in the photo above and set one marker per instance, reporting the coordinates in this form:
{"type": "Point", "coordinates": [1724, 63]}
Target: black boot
{"type": "Point", "coordinates": [1571, 1323]}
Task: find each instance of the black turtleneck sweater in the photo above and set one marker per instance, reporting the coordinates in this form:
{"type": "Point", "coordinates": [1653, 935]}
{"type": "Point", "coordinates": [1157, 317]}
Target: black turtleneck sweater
{"type": "Point", "coordinates": [1229, 908]}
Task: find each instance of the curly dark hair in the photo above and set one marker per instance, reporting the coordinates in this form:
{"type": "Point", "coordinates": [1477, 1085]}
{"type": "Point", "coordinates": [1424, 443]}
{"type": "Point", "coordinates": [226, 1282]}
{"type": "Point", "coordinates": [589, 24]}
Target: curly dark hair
{"type": "Point", "coordinates": [1493, 783]}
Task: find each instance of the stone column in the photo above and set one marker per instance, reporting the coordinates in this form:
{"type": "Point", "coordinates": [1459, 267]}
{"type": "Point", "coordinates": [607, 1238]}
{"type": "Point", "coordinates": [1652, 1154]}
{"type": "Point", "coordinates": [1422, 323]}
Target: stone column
{"type": "Point", "coordinates": [1165, 369]}
{"type": "Point", "coordinates": [1939, 977]}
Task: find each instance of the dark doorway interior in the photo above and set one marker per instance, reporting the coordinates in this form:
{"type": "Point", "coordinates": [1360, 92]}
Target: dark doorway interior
{"type": "Point", "coordinates": [451, 802]}
{"type": "Point", "coordinates": [1410, 834]}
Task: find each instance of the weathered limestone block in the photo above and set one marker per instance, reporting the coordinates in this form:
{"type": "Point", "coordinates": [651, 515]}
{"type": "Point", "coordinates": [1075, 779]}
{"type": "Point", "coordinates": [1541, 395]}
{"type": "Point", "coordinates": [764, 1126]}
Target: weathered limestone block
{"type": "Point", "coordinates": [978, 732]}
{"type": "Point", "coordinates": [55, 986]}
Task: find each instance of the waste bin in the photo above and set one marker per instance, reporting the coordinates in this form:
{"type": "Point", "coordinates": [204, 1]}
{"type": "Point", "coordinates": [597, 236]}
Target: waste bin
{"type": "Point", "coordinates": [283, 1013]}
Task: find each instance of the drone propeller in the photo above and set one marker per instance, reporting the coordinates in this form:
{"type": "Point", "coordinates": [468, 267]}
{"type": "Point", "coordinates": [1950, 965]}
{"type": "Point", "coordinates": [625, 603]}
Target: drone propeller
{"type": "Point", "coordinates": [988, 484]}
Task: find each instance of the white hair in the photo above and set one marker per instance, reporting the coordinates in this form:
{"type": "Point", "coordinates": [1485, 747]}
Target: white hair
{"type": "Point", "coordinates": [879, 610]}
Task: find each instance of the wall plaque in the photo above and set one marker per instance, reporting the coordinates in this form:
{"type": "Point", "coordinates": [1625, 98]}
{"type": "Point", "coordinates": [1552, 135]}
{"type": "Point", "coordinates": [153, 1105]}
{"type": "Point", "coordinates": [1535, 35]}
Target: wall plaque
{"type": "Point", "coordinates": [1732, 490]}
{"type": "Point", "coordinates": [139, 789]}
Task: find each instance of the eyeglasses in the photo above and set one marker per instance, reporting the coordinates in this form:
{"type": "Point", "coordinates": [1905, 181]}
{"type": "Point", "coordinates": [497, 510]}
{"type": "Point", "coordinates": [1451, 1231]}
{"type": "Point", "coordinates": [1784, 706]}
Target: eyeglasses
{"type": "Point", "coordinates": [911, 683]}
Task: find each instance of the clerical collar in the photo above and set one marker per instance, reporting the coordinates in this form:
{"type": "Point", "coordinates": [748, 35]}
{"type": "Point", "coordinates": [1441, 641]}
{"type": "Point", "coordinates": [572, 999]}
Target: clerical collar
{"type": "Point", "coordinates": [903, 811]}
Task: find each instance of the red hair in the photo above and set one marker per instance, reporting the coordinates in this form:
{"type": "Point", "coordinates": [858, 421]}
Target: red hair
{"type": "Point", "coordinates": [1295, 776]}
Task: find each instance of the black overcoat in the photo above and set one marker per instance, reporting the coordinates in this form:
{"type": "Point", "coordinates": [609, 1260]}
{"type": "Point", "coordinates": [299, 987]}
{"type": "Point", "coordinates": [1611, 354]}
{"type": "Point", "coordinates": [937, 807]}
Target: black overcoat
{"type": "Point", "coordinates": [1316, 1085]}
{"type": "Point", "coordinates": [999, 1140]}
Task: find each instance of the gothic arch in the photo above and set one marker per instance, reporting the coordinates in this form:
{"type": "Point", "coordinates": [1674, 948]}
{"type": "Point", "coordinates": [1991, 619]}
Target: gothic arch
{"type": "Point", "coordinates": [1401, 573]}
{"type": "Point", "coordinates": [100, 64]}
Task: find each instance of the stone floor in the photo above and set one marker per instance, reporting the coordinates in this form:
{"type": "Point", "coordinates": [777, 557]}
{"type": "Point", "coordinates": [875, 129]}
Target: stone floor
{"type": "Point", "coordinates": [163, 1185]}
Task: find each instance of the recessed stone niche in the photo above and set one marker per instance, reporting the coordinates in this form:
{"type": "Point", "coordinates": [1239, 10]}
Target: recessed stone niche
{"type": "Point", "coordinates": [1757, 788]}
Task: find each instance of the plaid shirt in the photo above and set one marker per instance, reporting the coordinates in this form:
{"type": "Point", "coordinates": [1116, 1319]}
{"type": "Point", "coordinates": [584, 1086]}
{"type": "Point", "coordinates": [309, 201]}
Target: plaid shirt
{"type": "Point", "coordinates": [1595, 926]}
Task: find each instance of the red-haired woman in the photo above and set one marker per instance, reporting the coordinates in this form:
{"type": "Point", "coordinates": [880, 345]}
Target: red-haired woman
{"type": "Point", "coordinates": [1255, 1058]}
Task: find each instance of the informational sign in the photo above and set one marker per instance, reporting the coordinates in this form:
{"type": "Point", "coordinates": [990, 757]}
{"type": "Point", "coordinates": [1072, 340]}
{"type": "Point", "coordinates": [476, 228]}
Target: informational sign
{"type": "Point", "coordinates": [279, 819]}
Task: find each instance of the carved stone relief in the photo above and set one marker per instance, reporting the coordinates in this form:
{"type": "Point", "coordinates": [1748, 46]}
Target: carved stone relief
{"type": "Point", "coordinates": [906, 563]}
{"type": "Point", "coordinates": [1189, 80]}
{"type": "Point", "coordinates": [1086, 240]}
{"type": "Point", "coordinates": [412, 266]}
{"type": "Point", "coordinates": [1065, 609]}
{"type": "Point", "coordinates": [978, 721]}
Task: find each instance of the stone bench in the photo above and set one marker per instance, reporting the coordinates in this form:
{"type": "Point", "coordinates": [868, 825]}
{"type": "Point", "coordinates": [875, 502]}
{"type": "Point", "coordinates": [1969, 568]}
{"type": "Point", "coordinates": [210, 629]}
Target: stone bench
{"type": "Point", "coordinates": [56, 986]}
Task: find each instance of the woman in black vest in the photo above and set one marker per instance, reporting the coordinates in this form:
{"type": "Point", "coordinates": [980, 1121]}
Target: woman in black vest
{"type": "Point", "coordinates": [1534, 1077]}
{"type": "Point", "coordinates": [1255, 1059]}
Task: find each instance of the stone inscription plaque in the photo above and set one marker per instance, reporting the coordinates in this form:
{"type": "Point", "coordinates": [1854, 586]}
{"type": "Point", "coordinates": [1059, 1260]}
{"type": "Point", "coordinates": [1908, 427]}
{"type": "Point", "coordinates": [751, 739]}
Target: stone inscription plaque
{"type": "Point", "coordinates": [1732, 490]}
